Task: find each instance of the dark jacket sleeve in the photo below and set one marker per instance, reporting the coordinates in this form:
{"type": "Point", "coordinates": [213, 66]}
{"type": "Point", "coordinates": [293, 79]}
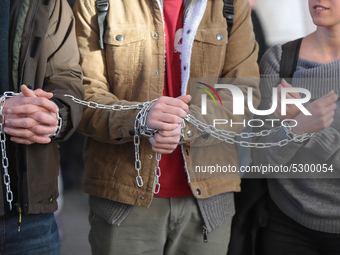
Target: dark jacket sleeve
{"type": "Point", "coordinates": [63, 72]}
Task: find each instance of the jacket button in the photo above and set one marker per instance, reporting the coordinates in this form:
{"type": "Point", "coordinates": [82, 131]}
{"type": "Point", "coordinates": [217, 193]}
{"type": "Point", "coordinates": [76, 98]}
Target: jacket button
{"type": "Point", "coordinates": [119, 38]}
{"type": "Point", "coordinates": [190, 133]}
{"type": "Point", "coordinates": [188, 32]}
{"type": "Point", "coordinates": [150, 156]}
{"type": "Point", "coordinates": [142, 198]}
{"type": "Point", "coordinates": [155, 35]}
{"type": "Point", "coordinates": [157, 73]}
{"type": "Point", "coordinates": [132, 132]}
{"type": "Point", "coordinates": [185, 68]}
{"type": "Point", "coordinates": [219, 37]}
{"type": "Point", "coordinates": [198, 191]}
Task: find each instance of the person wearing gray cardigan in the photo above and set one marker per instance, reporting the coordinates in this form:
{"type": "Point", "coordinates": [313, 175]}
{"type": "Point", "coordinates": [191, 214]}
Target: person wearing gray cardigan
{"type": "Point", "coordinates": [304, 213]}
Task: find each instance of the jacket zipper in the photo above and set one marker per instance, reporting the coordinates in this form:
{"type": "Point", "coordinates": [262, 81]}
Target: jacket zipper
{"type": "Point", "coordinates": [20, 214]}
{"type": "Point", "coordinates": [205, 234]}
{"type": "Point", "coordinates": [19, 224]}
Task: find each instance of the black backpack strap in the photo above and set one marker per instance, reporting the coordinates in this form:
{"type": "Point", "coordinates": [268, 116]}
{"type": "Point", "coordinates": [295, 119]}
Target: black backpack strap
{"type": "Point", "coordinates": [102, 7]}
{"type": "Point", "coordinates": [289, 58]}
{"type": "Point", "coordinates": [228, 13]}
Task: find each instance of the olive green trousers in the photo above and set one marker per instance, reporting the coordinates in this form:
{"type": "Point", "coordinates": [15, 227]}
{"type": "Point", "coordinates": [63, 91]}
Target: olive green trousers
{"type": "Point", "coordinates": [170, 226]}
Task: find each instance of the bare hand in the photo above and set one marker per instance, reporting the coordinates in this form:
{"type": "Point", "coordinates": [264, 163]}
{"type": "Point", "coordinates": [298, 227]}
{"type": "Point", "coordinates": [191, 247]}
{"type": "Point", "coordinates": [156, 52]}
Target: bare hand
{"type": "Point", "coordinates": [322, 111]}
{"type": "Point", "coordinates": [291, 109]}
{"type": "Point", "coordinates": [30, 117]}
{"type": "Point", "coordinates": [165, 142]}
{"type": "Point", "coordinates": [167, 115]}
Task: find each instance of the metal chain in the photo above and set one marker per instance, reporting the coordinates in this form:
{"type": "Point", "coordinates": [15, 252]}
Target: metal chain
{"type": "Point", "coordinates": [4, 159]}
{"type": "Point", "coordinates": [140, 128]}
{"type": "Point", "coordinates": [227, 136]}
{"type": "Point", "coordinates": [157, 170]}
{"type": "Point", "coordinates": [95, 105]}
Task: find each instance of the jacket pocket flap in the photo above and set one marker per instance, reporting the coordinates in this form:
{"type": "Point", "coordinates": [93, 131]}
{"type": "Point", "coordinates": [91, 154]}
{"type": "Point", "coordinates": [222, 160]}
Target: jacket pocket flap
{"type": "Point", "coordinates": [217, 36]}
{"type": "Point", "coordinates": [122, 35]}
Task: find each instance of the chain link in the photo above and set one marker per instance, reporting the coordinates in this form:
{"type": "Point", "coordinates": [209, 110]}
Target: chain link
{"type": "Point", "coordinates": [157, 170]}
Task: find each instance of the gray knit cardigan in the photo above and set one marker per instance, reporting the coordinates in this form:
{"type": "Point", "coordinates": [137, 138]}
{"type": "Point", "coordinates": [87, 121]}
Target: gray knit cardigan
{"type": "Point", "coordinates": [313, 201]}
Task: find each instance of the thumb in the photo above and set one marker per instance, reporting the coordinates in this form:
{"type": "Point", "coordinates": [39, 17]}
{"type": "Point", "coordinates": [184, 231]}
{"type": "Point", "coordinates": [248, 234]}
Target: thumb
{"type": "Point", "coordinates": [186, 99]}
{"type": "Point", "coordinates": [285, 83]}
{"type": "Point", "coordinates": [26, 91]}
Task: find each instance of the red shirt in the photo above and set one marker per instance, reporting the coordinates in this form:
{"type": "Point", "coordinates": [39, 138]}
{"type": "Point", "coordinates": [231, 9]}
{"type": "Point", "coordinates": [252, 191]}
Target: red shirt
{"type": "Point", "coordinates": [173, 180]}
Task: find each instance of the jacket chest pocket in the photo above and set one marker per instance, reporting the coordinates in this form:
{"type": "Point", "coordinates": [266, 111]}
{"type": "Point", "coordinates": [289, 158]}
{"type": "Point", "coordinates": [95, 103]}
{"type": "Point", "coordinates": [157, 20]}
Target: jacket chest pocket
{"type": "Point", "coordinates": [124, 54]}
{"type": "Point", "coordinates": [208, 52]}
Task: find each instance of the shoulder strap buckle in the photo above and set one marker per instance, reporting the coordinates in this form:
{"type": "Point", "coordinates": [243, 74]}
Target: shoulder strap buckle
{"type": "Point", "coordinates": [102, 5]}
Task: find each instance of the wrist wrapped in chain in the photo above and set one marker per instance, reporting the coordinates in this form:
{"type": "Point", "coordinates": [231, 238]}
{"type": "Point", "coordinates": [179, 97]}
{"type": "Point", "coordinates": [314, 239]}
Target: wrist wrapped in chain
{"type": "Point", "coordinates": [140, 127]}
{"type": "Point", "coordinates": [295, 137]}
{"type": "Point", "coordinates": [144, 130]}
{"type": "Point", "coordinates": [59, 125]}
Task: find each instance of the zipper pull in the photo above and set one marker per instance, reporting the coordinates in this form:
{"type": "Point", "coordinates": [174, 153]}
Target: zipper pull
{"type": "Point", "coordinates": [19, 224]}
{"type": "Point", "coordinates": [205, 234]}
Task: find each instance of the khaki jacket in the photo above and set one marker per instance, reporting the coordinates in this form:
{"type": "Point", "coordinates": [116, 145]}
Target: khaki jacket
{"type": "Point", "coordinates": [47, 58]}
{"type": "Point", "coordinates": [130, 70]}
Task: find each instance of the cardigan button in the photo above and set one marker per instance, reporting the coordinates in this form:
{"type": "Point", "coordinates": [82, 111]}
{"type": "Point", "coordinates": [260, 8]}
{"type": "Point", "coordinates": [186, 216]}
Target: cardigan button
{"type": "Point", "coordinates": [219, 37]}
{"type": "Point", "coordinates": [190, 133]}
{"type": "Point", "coordinates": [198, 191]}
{"type": "Point", "coordinates": [142, 198]}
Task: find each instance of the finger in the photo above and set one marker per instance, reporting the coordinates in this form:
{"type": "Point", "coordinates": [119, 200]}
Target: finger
{"type": "Point", "coordinates": [163, 141]}
{"type": "Point", "coordinates": [162, 148]}
{"type": "Point", "coordinates": [42, 130]}
{"type": "Point", "coordinates": [327, 99]}
{"type": "Point", "coordinates": [163, 121]}
{"type": "Point", "coordinates": [28, 120]}
{"type": "Point", "coordinates": [285, 84]}
{"type": "Point", "coordinates": [161, 108]}
{"type": "Point", "coordinates": [186, 98]}
{"type": "Point", "coordinates": [279, 87]}
{"type": "Point", "coordinates": [328, 116]}
{"type": "Point", "coordinates": [174, 102]}
{"type": "Point", "coordinates": [42, 93]}
{"type": "Point", "coordinates": [171, 133]}
{"type": "Point", "coordinates": [161, 151]}
{"type": "Point", "coordinates": [28, 104]}
{"type": "Point", "coordinates": [19, 132]}
{"type": "Point", "coordinates": [38, 130]}
{"type": "Point", "coordinates": [330, 107]}
{"type": "Point", "coordinates": [35, 139]}
{"type": "Point", "coordinates": [26, 91]}
{"type": "Point", "coordinates": [36, 93]}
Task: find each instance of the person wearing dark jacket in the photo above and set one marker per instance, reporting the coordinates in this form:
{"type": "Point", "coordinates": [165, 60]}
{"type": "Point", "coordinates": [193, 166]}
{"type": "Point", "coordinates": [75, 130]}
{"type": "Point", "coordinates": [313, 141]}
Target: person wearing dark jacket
{"type": "Point", "coordinates": [39, 59]}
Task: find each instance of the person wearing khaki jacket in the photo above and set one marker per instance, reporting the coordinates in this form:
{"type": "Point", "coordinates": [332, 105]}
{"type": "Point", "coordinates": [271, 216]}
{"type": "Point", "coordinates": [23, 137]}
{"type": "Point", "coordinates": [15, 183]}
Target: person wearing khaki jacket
{"type": "Point", "coordinates": [43, 55]}
{"type": "Point", "coordinates": [130, 70]}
